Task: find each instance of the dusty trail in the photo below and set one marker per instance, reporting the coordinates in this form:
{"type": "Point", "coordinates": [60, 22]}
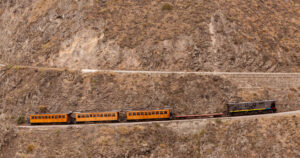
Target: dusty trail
{"type": "Point", "coordinates": [185, 72]}
{"type": "Point", "coordinates": [45, 127]}
{"type": "Point", "coordinates": [159, 72]}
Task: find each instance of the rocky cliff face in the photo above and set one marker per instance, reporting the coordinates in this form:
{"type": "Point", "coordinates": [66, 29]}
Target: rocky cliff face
{"type": "Point", "coordinates": [25, 90]}
{"type": "Point", "coordinates": [177, 35]}
{"type": "Point", "coordinates": [187, 35]}
{"type": "Point", "coordinates": [266, 136]}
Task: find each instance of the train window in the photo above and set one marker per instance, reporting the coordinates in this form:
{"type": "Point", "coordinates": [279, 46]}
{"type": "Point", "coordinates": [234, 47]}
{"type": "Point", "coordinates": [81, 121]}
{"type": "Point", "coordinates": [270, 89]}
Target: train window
{"type": "Point", "coordinates": [86, 116]}
{"type": "Point", "coordinates": [146, 113]}
{"type": "Point", "coordinates": [166, 112]}
{"type": "Point", "coordinates": [91, 115]}
{"type": "Point", "coordinates": [101, 115]}
{"type": "Point", "coordinates": [142, 113]}
{"type": "Point", "coordinates": [113, 114]}
{"type": "Point", "coordinates": [98, 115]}
{"type": "Point", "coordinates": [153, 113]}
{"type": "Point", "coordinates": [134, 114]}
{"type": "Point", "coordinates": [35, 117]}
{"type": "Point", "coordinates": [109, 115]}
{"type": "Point", "coordinates": [78, 116]}
{"type": "Point", "coordinates": [129, 113]}
{"type": "Point", "coordinates": [40, 117]}
{"type": "Point", "coordinates": [82, 116]}
{"type": "Point", "coordinates": [63, 116]}
{"type": "Point", "coordinates": [105, 115]}
{"type": "Point", "coordinates": [161, 112]}
{"type": "Point", "coordinates": [43, 117]}
{"type": "Point", "coordinates": [138, 113]}
{"type": "Point", "coordinates": [32, 117]}
{"type": "Point", "coordinates": [56, 116]}
{"type": "Point", "coordinates": [59, 116]}
{"type": "Point", "coordinates": [157, 112]}
{"type": "Point", "coordinates": [94, 115]}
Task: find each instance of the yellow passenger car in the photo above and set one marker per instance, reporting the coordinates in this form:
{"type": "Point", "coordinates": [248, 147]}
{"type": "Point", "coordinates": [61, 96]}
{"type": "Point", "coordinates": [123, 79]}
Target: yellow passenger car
{"type": "Point", "coordinates": [97, 116]}
{"type": "Point", "coordinates": [49, 118]}
{"type": "Point", "coordinates": [148, 114]}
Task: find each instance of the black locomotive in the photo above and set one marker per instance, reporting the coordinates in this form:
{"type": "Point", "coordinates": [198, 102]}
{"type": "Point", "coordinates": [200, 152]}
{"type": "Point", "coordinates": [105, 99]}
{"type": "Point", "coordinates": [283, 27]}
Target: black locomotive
{"type": "Point", "coordinates": [250, 108]}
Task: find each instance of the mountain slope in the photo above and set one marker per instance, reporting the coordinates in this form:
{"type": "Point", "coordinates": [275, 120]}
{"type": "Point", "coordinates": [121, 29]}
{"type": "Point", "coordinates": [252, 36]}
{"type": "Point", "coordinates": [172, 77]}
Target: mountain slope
{"type": "Point", "coordinates": [201, 35]}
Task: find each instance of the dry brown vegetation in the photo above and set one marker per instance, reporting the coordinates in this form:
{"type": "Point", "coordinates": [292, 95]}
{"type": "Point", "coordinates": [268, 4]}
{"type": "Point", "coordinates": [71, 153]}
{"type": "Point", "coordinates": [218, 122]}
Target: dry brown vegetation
{"type": "Point", "coordinates": [246, 137]}
{"type": "Point", "coordinates": [29, 90]}
{"type": "Point", "coordinates": [179, 35]}
{"type": "Point", "coordinates": [201, 35]}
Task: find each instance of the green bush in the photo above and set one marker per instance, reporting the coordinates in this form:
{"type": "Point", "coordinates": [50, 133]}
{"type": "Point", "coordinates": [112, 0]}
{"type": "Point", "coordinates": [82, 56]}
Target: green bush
{"type": "Point", "coordinates": [167, 6]}
{"type": "Point", "coordinates": [20, 120]}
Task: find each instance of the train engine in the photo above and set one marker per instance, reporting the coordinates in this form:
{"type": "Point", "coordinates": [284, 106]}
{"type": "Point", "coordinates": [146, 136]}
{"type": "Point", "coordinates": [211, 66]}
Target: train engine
{"type": "Point", "coordinates": [251, 108]}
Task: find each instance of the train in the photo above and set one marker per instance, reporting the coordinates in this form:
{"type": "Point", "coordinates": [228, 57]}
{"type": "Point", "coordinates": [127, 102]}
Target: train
{"type": "Point", "coordinates": [233, 109]}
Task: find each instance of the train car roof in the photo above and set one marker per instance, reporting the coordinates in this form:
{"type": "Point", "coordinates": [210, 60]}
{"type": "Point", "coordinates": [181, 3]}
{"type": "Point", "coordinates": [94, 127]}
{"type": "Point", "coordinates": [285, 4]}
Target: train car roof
{"type": "Point", "coordinates": [253, 102]}
{"type": "Point", "coordinates": [66, 113]}
{"type": "Point", "coordinates": [146, 109]}
{"type": "Point", "coordinates": [81, 112]}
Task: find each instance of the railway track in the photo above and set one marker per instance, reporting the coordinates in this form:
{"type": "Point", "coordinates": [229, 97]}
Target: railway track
{"type": "Point", "coordinates": [45, 127]}
{"type": "Point", "coordinates": [162, 72]}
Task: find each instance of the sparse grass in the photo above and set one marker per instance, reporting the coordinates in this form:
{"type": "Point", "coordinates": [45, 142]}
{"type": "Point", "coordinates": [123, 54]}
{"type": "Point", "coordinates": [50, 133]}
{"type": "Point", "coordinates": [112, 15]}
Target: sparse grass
{"type": "Point", "coordinates": [156, 124]}
{"type": "Point", "coordinates": [166, 6]}
{"type": "Point", "coordinates": [105, 141]}
{"type": "Point", "coordinates": [290, 96]}
{"type": "Point", "coordinates": [162, 145]}
{"type": "Point", "coordinates": [9, 66]}
{"type": "Point", "coordinates": [20, 120]}
{"type": "Point", "coordinates": [202, 132]}
{"type": "Point", "coordinates": [293, 89]}
{"type": "Point", "coordinates": [57, 132]}
{"type": "Point", "coordinates": [30, 148]}
{"type": "Point", "coordinates": [12, 117]}
{"type": "Point", "coordinates": [254, 94]}
{"type": "Point", "coordinates": [20, 91]}
{"type": "Point", "coordinates": [93, 81]}
{"type": "Point", "coordinates": [47, 45]}
{"type": "Point", "coordinates": [16, 67]}
{"type": "Point", "coordinates": [218, 121]}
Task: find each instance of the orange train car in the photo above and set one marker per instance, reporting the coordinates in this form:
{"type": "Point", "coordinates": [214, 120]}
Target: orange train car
{"type": "Point", "coordinates": [96, 116]}
{"type": "Point", "coordinates": [50, 118]}
{"type": "Point", "coordinates": [149, 114]}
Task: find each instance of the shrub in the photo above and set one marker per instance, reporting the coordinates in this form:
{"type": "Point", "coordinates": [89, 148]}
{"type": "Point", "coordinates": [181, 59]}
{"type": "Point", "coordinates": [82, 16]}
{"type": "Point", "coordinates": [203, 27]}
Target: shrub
{"type": "Point", "coordinates": [202, 132]}
{"type": "Point", "coordinates": [20, 120]}
{"type": "Point", "coordinates": [43, 108]}
{"type": "Point", "coordinates": [293, 89]}
{"type": "Point", "coordinates": [167, 6]}
{"type": "Point", "coordinates": [218, 121]}
{"type": "Point", "coordinates": [30, 148]}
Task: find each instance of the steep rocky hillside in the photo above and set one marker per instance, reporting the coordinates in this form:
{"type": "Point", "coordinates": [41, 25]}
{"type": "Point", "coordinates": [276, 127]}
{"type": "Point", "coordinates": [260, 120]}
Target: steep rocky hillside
{"type": "Point", "coordinates": [25, 90]}
{"type": "Point", "coordinates": [191, 35]}
{"type": "Point", "coordinates": [268, 137]}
